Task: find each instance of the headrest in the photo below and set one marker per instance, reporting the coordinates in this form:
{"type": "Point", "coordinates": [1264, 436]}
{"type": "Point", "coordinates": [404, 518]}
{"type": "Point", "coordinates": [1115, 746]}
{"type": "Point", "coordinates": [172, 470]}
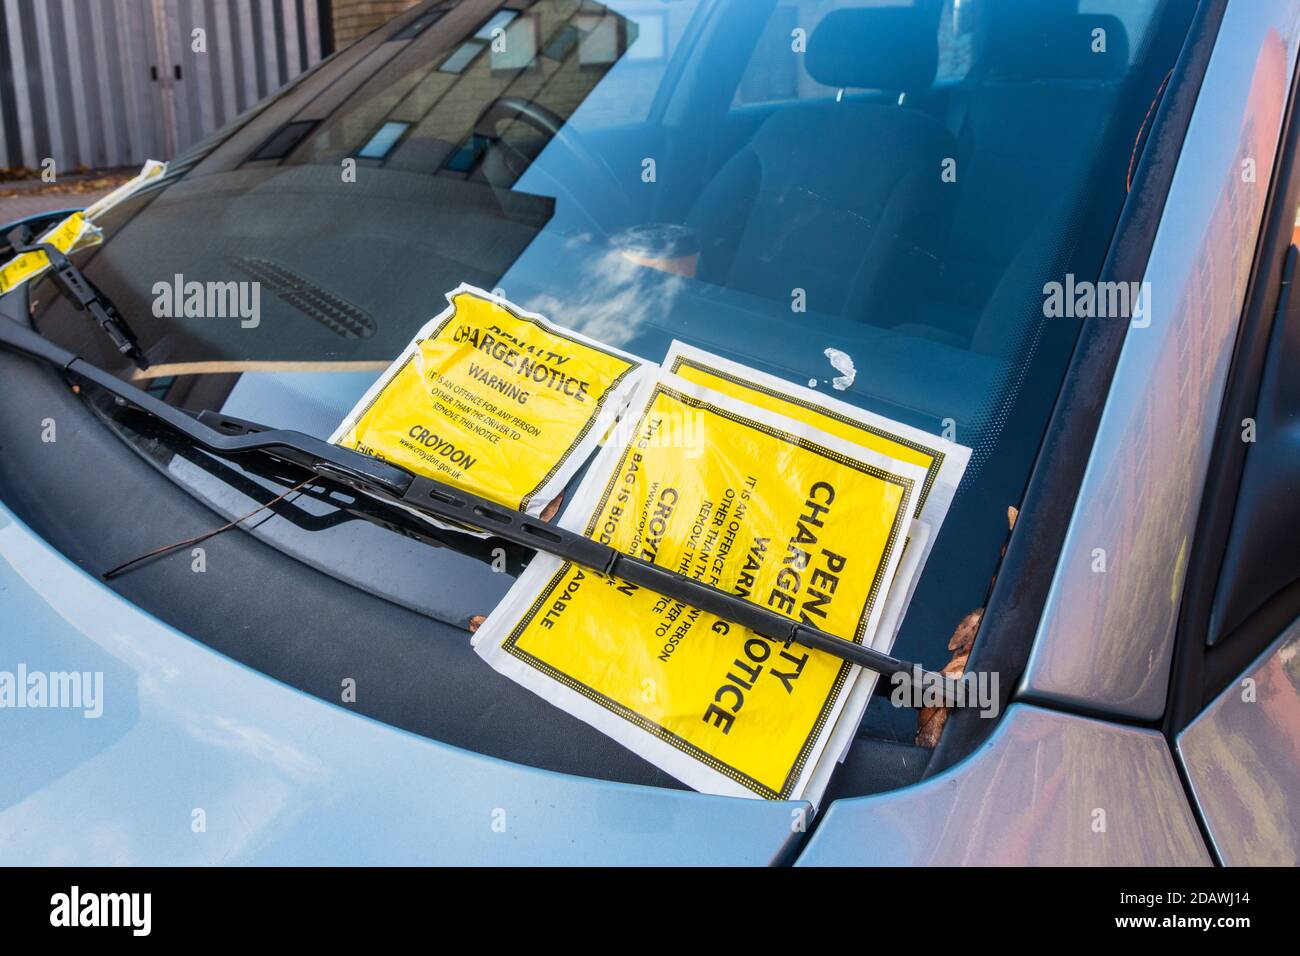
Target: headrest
{"type": "Point", "coordinates": [874, 49]}
{"type": "Point", "coordinates": [1061, 48]}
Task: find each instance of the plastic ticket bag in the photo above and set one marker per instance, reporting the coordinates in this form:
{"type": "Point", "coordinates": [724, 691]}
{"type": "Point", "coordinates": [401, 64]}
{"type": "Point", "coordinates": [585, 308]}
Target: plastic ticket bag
{"type": "Point", "coordinates": [944, 461]}
{"type": "Point", "coordinates": [78, 231]}
{"type": "Point", "coordinates": [75, 232]}
{"type": "Point", "coordinates": [151, 170]}
{"type": "Point", "coordinates": [495, 400]}
{"type": "Point", "coordinates": [751, 502]}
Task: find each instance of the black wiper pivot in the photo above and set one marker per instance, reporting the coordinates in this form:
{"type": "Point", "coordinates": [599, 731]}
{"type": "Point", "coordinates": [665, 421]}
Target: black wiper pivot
{"type": "Point", "coordinates": [83, 294]}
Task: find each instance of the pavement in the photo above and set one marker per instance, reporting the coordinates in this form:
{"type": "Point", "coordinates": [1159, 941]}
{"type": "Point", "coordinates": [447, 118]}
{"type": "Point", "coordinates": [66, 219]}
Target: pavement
{"type": "Point", "coordinates": [20, 198]}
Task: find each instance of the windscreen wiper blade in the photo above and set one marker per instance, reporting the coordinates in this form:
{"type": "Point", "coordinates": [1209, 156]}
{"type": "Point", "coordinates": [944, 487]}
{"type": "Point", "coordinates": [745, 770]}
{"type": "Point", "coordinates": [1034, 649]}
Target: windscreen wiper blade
{"type": "Point", "coordinates": [227, 437]}
{"type": "Point", "coordinates": [83, 294]}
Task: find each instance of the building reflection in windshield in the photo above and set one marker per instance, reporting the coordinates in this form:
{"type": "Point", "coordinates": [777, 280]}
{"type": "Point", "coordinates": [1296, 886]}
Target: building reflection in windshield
{"type": "Point", "coordinates": [429, 98]}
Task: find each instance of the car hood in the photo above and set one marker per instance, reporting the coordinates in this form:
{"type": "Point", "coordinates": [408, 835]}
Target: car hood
{"type": "Point", "coordinates": [194, 758]}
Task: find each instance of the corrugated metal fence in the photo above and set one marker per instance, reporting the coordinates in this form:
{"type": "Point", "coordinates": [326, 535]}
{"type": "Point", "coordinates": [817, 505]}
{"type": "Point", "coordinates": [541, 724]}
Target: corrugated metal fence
{"type": "Point", "coordinates": [102, 83]}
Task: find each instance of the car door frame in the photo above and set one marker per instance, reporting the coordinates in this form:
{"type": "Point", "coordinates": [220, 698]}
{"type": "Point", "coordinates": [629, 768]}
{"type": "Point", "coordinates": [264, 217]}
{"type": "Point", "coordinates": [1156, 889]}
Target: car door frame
{"type": "Point", "coordinates": [1201, 701]}
{"type": "Point", "coordinates": [1201, 671]}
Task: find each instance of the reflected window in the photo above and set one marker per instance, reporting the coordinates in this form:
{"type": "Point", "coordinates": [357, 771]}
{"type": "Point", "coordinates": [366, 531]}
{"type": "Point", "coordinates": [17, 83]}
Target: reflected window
{"type": "Point", "coordinates": [518, 47]}
{"type": "Point", "coordinates": [383, 141]}
{"type": "Point", "coordinates": [600, 43]}
{"type": "Point", "coordinates": [283, 141]}
{"type": "Point", "coordinates": [651, 31]}
{"type": "Point", "coordinates": [499, 21]}
{"type": "Point", "coordinates": [418, 25]}
{"type": "Point", "coordinates": [462, 56]}
{"type": "Point", "coordinates": [562, 43]}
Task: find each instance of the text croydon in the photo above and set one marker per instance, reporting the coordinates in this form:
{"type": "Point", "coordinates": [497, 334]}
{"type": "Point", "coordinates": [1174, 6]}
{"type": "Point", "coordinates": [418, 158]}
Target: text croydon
{"type": "Point", "coordinates": [528, 362]}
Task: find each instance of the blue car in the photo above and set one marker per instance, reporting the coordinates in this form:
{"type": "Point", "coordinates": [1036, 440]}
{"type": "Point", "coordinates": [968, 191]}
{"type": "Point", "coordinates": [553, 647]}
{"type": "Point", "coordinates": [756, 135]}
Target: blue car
{"type": "Point", "coordinates": [1059, 232]}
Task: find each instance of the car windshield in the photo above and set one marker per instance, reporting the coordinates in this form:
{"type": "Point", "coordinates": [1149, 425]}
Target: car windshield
{"type": "Point", "coordinates": [765, 179]}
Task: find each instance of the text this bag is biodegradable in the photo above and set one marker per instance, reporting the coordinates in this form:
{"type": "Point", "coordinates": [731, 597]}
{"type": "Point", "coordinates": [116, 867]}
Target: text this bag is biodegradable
{"type": "Point", "coordinates": [493, 399]}
{"type": "Point", "coordinates": [753, 503]}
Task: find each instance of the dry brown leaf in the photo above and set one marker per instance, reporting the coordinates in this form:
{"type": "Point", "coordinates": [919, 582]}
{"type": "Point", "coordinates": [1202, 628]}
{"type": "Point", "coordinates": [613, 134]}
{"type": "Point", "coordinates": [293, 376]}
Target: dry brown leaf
{"type": "Point", "coordinates": [964, 637]}
{"type": "Point", "coordinates": [930, 721]}
{"type": "Point", "coordinates": [476, 622]}
{"type": "Point", "coordinates": [549, 511]}
{"type": "Point", "coordinates": [929, 726]}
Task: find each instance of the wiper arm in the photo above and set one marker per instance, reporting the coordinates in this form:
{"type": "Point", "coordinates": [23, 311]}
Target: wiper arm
{"type": "Point", "coordinates": [83, 294]}
{"type": "Point", "coordinates": [345, 505]}
{"type": "Point", "coordinates": [227, 437]}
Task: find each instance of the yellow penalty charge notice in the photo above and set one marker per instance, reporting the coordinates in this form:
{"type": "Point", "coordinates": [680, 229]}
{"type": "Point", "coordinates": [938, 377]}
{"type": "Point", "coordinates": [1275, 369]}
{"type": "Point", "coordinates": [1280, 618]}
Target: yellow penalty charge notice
{"type": "Point", "coordinates": [495, 400]}
{"type": "Point", "coordinates": [945, 462]}
{"type": "Point", "coordinates": [75, 232]}
{"type": "Point", "coordinates": [757, 504]}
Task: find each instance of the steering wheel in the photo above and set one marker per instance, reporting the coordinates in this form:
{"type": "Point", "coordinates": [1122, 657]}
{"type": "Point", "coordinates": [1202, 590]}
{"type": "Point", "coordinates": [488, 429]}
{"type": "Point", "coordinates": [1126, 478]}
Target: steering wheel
{"type": "Point", "coordinates": [592, 170]}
